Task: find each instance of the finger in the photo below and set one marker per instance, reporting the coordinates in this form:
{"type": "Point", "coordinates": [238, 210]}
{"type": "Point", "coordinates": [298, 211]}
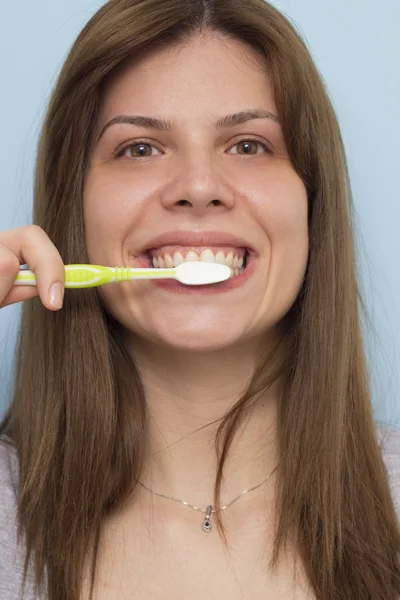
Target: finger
{"type": "Point", "coordinates": [31, 245]}
{"type": "Point", "coordinates": [19, 294]}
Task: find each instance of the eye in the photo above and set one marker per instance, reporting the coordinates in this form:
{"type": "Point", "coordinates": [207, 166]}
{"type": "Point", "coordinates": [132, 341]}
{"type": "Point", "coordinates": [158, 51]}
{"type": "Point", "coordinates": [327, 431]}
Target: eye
{"type": "Point", "coordinates": [139, 149]}
{"type": "Point", "coordinates": [142, 148]}
{"type": "Point", "coordinates": [246, 144]}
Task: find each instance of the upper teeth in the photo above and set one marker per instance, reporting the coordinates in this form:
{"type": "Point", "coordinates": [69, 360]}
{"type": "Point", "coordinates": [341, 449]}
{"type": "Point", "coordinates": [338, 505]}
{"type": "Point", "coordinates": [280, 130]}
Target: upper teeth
{"type": "Point", "coordinates": [234, 261]}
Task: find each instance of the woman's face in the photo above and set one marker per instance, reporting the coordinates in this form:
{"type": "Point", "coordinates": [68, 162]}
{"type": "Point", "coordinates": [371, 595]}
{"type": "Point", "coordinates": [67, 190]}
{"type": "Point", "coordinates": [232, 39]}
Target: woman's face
{"type": "Point", "coordinates": [233, 183]}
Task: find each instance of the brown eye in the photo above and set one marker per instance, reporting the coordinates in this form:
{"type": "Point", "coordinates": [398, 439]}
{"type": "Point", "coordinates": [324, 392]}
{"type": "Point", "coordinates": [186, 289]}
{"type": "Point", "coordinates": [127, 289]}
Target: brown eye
{"type": "Point", "coordinates": [249, 147]}
{"type": "Point", "coordinates": [137, 150]}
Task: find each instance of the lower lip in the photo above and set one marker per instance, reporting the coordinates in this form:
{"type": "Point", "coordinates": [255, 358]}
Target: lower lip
{"type": "Point", "coordinates": [236, 281]}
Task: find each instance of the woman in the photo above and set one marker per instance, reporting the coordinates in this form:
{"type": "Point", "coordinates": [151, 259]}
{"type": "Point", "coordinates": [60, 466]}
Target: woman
{"type": "Point", "coordinates": [176, 128]}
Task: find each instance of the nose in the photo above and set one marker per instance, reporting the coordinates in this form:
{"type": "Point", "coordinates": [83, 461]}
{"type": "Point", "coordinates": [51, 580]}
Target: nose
{"type": "Point", "coordinates": [198, 186]}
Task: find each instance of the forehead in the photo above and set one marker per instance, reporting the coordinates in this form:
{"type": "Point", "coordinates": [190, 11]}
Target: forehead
{"type": "Point", "coordinates": [209, 75]}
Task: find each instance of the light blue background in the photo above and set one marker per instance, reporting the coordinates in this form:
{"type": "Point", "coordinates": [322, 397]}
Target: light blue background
{"type": "Point", "coordinates": [356, 46]}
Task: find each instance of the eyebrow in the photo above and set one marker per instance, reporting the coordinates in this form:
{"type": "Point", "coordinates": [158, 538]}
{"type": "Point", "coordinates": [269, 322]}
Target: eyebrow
{"type": "Point", "coordinates": [166, 126]}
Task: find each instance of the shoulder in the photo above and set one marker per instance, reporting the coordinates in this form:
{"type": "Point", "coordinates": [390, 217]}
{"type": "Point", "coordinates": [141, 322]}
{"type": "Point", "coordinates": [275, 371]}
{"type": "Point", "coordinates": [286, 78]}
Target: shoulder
{"type": "Point", "coordinates": [10, 566]}
{"type": "Point", "coordinates": [8, 485]}
{"type": "Point", "coordinates": [389, 440]}
{"type": "Point", "coordinates": [11, 554]}
{"type": "Point", "coordinates": [8, 472]}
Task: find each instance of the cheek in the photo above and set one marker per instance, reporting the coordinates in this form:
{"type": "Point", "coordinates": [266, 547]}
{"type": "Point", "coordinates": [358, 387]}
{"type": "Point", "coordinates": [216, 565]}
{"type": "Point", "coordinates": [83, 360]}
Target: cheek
{"type": "Point", "coordinates": [105, 214]}
{"type": "Point", "coordinates": [103, 200]}
{"type": "Point", "coordinates": [289, 244]}
{"type": "Point", "coordinates": [288, 223]}
{"type": "Point", "coordinates": [281, 206]}
{"type": "Point", "coordinates": [284, 218]}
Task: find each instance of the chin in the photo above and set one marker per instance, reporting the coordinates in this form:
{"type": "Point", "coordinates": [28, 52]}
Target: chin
{"type": "Point", "coordinates": [195, 338]}
{"type": "Point", "coordinates": [198, 343]}
{"type": "Point", "coordinates": [200, 329]}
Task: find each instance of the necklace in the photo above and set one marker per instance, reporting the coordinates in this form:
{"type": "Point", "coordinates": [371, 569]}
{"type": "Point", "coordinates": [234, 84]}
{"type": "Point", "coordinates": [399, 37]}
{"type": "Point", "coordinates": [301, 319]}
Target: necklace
{"type": "Point", "coordinates": [206, 525]}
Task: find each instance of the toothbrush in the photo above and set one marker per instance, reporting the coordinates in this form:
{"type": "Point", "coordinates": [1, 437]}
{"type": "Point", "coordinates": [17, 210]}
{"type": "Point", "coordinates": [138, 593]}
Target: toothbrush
{"type": "Point", "coordinates": [86, 276]}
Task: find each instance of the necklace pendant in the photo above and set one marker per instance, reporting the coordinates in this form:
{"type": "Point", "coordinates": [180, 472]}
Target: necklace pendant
{"type": "Point", "coordinates": [206, 526]}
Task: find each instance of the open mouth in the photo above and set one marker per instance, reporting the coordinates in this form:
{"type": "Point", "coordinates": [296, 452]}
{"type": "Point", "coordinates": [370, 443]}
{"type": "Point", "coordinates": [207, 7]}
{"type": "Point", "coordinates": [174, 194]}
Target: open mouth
{"type": "Point", "coordinates": [169, 257]}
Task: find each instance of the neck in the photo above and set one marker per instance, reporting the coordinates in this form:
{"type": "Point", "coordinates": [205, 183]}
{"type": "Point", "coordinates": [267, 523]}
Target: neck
{"type": "Point", "coordinates": [187, 393]}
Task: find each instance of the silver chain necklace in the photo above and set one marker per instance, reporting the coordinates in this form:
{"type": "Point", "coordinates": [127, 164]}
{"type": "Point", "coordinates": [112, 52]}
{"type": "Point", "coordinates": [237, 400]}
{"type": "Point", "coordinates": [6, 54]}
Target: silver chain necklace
{"type": "Point", "coordinates": [206, 525]}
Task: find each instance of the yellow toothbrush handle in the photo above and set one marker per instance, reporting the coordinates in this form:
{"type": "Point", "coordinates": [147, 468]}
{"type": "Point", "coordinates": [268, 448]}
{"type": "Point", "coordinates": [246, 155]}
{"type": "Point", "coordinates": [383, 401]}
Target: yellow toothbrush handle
{"type": "Point", "coordinates": [86, 276]}
{"type": "Point", "coordinates": [80, 276]}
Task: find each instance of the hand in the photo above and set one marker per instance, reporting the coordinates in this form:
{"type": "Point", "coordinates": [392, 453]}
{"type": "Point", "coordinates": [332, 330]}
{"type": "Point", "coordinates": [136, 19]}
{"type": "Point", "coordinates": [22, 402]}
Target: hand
{"type": "Point", "coordinates": [30, 245]}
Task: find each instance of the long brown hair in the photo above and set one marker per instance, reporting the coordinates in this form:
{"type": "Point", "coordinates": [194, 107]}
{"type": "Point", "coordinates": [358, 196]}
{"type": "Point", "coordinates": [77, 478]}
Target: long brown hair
{"type": "Point", "coordinates": [78, 409]}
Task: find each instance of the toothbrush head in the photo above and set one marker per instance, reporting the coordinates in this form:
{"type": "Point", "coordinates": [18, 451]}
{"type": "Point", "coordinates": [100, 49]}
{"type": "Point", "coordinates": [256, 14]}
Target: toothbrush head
{"type": "Point", "coordinates": [202, 273]}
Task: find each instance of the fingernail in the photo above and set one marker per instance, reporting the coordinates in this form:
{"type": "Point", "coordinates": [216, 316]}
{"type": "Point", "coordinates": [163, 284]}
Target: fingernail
{"type": "Point", "coordinates": [56, 295]}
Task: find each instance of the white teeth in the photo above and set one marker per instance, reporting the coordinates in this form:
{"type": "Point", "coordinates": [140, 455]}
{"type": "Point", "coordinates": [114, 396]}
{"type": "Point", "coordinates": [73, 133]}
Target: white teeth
{"type": "Point", "coordinates": [168, 261]}
{"type": "Point", "coordinates": [208, 256]}
{"type": "Point", "coordinates": [234, 261]}
{"type": "Point", "coordinates": [178, 259]}
{"type": "Point", "coordinates": [229, 259]}
{"type": "Point", "coordinates": [159, 263]}
{"type": "Point", "coordinates": [192, 255]}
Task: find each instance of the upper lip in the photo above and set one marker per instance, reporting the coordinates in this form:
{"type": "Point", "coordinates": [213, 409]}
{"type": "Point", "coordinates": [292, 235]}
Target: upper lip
{"type": "Point", "coordinates": [196, 238]}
